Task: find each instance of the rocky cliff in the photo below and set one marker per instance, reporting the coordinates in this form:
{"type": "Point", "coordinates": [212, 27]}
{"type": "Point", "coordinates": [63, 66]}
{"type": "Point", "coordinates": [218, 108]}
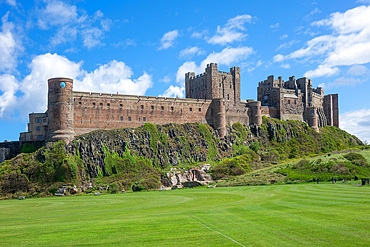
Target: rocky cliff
{"type": "Point", "coordinates": [142, 156]}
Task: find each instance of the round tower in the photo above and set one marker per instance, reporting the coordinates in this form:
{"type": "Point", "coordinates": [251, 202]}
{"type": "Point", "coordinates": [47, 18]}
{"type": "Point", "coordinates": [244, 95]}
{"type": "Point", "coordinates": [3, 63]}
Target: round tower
{"type": "Point", "coordinates": [219, 116]}
{"type": "Point", "coordinates": [60, 110]}
{"type": "Point", "coordinates": [256, 115]}
{"type": "Point", "coordinates": [313, 120]}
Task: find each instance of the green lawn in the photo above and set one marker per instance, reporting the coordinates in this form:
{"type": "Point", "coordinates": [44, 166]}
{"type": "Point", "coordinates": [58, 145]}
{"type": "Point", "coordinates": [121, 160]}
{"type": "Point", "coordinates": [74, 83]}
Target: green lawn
{"type": "Point", "coordinates": [280, 215]}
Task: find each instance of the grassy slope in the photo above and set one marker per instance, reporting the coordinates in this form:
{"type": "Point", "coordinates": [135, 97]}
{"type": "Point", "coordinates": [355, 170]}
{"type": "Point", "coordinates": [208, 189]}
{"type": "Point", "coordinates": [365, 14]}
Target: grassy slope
{"type": "Point", "coordinates": [289, 215]}
{"type": "Point", "coordinates": [266, 175]}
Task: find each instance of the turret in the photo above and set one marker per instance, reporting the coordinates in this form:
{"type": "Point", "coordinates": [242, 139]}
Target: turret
{"type": "Point", "coordinates": [235, 72]}
{"type": "Point", "coordinates": [255, 110]}
{"type": "Point", "coordinates": [312, 118]}
{"type": "Point", "coordinates": [60, 110]}
{"type": "Point", "coordinates": [219, 116]}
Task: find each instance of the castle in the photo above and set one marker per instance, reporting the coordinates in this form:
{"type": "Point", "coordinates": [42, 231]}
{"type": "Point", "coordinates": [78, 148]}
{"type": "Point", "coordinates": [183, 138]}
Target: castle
{"type": "Point", "coordinates": [212, 97]}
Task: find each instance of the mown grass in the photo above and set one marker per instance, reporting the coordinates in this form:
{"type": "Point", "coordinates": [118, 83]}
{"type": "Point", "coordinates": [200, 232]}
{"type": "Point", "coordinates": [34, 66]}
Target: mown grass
{"type": "Point", "coordinates": [276, 215]}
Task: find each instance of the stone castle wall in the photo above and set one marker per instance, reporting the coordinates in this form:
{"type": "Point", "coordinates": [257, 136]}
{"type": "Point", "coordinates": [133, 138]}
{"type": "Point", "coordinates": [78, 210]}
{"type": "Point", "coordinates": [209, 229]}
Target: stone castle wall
{"type": "Point", "coordinates": [109, 111]}
{"type": "Point", "coordinates": [212, 97]}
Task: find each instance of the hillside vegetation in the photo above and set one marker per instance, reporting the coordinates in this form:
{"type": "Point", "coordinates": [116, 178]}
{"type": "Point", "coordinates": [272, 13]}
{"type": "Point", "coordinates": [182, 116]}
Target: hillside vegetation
{"type": "Point", "coordinates": [140, 156]}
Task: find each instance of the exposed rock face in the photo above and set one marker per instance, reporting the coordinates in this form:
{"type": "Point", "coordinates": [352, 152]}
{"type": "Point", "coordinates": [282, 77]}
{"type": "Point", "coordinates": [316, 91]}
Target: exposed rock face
{"type": "Point", "coordinates": [173, 144]}
{"type": "Point", "coordinates": [189, 178]}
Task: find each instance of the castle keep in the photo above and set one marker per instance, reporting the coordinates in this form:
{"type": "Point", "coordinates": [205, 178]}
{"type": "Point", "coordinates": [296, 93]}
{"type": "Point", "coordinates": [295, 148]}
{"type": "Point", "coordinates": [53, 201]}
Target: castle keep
{"type": "Point", "coordinates": [212, 97]}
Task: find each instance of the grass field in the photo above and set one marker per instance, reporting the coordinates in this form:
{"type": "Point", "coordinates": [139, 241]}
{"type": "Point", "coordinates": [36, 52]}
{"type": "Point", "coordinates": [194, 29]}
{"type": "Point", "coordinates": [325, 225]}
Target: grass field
{"type": "Point", "coordinates": [276, 215]}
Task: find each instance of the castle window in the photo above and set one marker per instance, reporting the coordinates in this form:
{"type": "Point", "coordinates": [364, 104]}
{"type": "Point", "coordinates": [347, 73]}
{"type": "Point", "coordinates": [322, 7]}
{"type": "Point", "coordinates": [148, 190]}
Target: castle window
{"type": "Point", "coordinates": [162, 107]}
{"type": "Point", "coordinates": [44, 120]}
{"type": "Point", "coordinates": [191, 109]}
{"type": "Point", "coordinates": [101, 104]}
{"type": "Point", "coordinates": [39, 137]}
{"type": "Point", "coordinates": [200, 109]}
{"type": "Point", "coordinates": [230, 86]}
{"type": "Point", "coordinates": [121, 105]}
{"type": "Point", "coordinates": [37, 128]}
{"type": "Point", "coordinates": [144, 119]}
{"type": "Point", "coordinates": [288, 101]}
{"type": "Point", "coordinates": [129, 118]}
{"type": "Point", "coordinates": [171, 108]}
{"type": "Point", "coordinates": [38, 120]}
{"type": "Point", "coordinates": [46, 128]}
{"type": "Point", "coordinates": [218, 102]}
{"type": "Point", "coordinates": [220, 85]}
{"type": "Point", "coordinates": [228, 97]}
{"type": "Point", "coordinates": [152, 107]}
{"type": "Point", "coordinates": [121, 118]}
{"type": "Point", "coordinates": [108, 105]}
{"type": "Point", "coordinates": [79, 103]}
{"type": "Point", "coordinates": [139, 119]}
{"type": "Point", "coordinates": [93, 103]}
{"type": "Point", "coordinates": [142, 107]}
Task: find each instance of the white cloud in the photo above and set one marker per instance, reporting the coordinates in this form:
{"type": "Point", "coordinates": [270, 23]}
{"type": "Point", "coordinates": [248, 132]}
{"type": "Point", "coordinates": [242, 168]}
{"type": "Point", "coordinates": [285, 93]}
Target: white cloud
{"type": "Point", "coordinates": [56, 13]}
{"type": "Point", "coordinates": [183, 69]}
{"type": "Point", "coordinates": [349, 43]}
{"type": "Point", "coordinates": [314, 11]}
{"type": "Point", "coordinates": [114, 77]}
{"type": "Point", "coordinates": [278, 58]}
{"type": "Point", "coordinates": [168, 39]}
{"type": "Point", "coordinates": [174, 91]}
{"type": "Point", "coordinates": [190, 52]}
{"type": "Point", "coordinates": [322, 70]}
{"type": "Point", "coordinates": [357, 123]}
{"type": "Point", "coordinates": [227, 56]}
{"type": "Point", "coordinates": [363, 1]}
{"type": "Point", "coordinates": [284, 36]}
{"type": "Point", "coordinates": [165, 79]}
{"type": "Point", "coordinates": [231, 31]}
{"type": "Point", "coordinates": [286, 45]}
{"type": "Point", "coordinates": [8, 87]}
{"type": "Point", "coordinates": [341, 82]}
{"type": "Point", "coordinates": [68, 23]}
{"type": "Point", "coordinates": [34, 86]}
{"type": "Point", "coordinates": [92, 37]}
{"type": "Point", "coordinates": [285, 66]}
{"type": "Point", "coordinates": [200, 35]}
{"type": "Point", "coordinates": [357, 70]}
{"type": "Point", "coordinates": [32, 90]}
{"type": "Point", "coordinates": [9, 46]}
{"type": "Point", "coordinates": [275, 26]}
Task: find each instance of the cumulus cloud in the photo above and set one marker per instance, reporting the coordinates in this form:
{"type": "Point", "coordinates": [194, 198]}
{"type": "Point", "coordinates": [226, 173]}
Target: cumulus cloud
{"type": "Point", "coordinates": [232, 31]}
{"type": "Point", "coordinates": [168, 39]}
{"type": "Point", "coordinates": [190, 52]}
{"type": "Point", "coordinates": [9, 46]}
{"type": "Point", "coordinates": [227, 56]}
{"type": "Point", "coordinates": [69, 23]}
{"type": "Point", "coordinates": [174, 91]}
{"type": "Point", "coordinates": [348, 44]}
{"type": "Point", "coordinates": [30, 94]}
{"type": "Point", "coordinates": [356, 123]}
{"type": "Point", "coordinates": [285, 66]}
{"type": "Point", "coordinates": [112, 78]}
{"type": "Point", "coordinates": [8, 88]}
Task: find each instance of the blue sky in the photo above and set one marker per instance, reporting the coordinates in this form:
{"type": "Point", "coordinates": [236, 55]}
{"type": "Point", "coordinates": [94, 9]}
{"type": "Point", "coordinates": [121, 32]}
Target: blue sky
{"type": "Point", "coordinates": [145, 47]}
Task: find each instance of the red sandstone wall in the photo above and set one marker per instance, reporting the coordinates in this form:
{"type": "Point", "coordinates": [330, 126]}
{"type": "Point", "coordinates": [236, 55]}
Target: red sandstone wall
{"type": "Point", "coordinates": [119, 111]}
